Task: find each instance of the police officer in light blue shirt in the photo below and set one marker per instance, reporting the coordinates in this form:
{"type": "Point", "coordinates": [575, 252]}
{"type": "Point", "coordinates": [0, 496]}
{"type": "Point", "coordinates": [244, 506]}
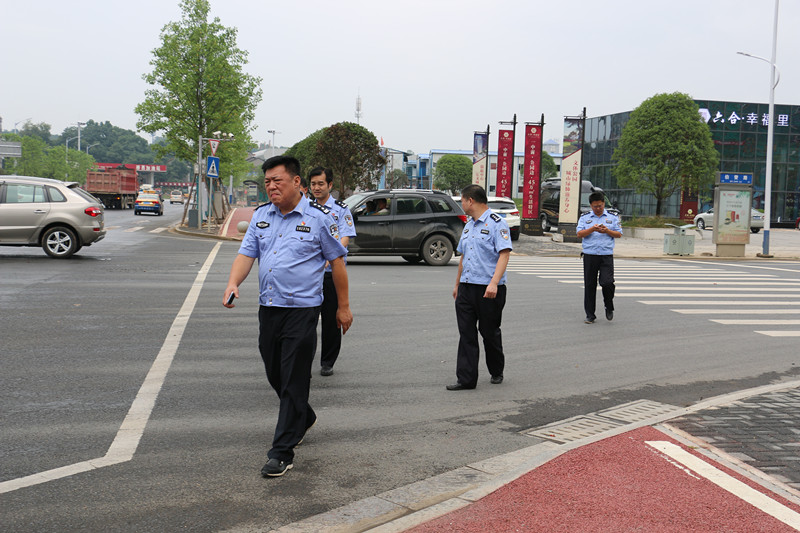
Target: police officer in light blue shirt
{"type": "Point", "coordinates": [480, 291]}
{"type": "Point", "coordinates": [292, 239]}
{"type": "Point", "coordinates": [321, 183]}
{"type": "Point", "coordinates": [598, 229]}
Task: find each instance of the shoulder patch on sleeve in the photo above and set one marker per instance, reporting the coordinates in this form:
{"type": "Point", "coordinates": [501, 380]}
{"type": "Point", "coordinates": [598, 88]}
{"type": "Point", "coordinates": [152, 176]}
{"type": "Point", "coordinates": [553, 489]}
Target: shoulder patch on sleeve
{"type": "Point", "coordinates": [340, 203]}
{"type": "Point", "coordinates": [496, 217]}
{"type": "Point", "coordinates": [321, 207]}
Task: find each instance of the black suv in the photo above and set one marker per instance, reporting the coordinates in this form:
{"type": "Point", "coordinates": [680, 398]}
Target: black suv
{"type": "Point", "coordinates": [550, 200]}
{"type": "Point", "coordinates": [413, 223]}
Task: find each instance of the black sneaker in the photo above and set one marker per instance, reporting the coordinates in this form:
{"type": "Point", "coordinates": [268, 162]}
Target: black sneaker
{"type": "Point", "coordinates": [275, 468]}
{"type": "Point", "coordinates": [589, 320]}
{"type": "Point", "coordinates": [326, 371]}
{"type": "Point", "coordinates": [496, 380]}
{"type": "Point", "coordinates": [609, 314]}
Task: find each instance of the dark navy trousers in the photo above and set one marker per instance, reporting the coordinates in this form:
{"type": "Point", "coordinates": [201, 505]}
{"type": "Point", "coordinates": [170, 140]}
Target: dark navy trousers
{"type": "Point", "coordinates": [476, 314]}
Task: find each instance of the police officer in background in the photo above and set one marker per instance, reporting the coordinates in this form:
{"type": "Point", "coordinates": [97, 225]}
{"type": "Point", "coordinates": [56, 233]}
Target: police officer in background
{"type": "Point", "coordinates": [321, 181]}
{"type": "Point", "coordinates": [292, 239]}
{"type": "Point", "coordinates": [480, 291]}
{"type": "Point", "coordinates": [598, 230]}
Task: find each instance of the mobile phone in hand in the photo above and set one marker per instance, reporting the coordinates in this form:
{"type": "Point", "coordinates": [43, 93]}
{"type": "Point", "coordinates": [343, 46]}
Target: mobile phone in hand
{"type": "Point", "coordinates": [231, 296]}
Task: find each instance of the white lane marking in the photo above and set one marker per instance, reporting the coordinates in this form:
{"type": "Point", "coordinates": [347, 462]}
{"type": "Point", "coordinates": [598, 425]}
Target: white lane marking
{"type": "Point", "coordinates": [228, 222]}
{"type": "Point", "coordinates": [779, 333]}
{"type": "Point", "coordinates": [762, 267]}
{"type": "Point", "coordinates": [135, 228]}
{"type": "Point", "coordinates": [695, 295]}
{"type": "Point", "coordinates": [130, 432]}
{"type": "Point", "coordinates": [741, 490]}
{"type": "Point", "coordinates": [737, 311]}
{"type": "Point", "coordinates": [710, 277]}
{"type": "Point", "coordinates": [754, 322]}
{"type": "Point", "coordinates": [716, 302]}
{"type": "Point", "coordinates": [158, 230]}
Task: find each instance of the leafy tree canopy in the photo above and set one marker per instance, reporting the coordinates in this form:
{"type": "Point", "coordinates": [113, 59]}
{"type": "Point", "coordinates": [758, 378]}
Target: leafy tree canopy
{"type": "Point", "coordinates": [200, 87]}
{"type": "Point", "coordinates": [396, 179]}
{"type": "Point", "coordinates": [549, 168]}
{"type": "Point", "coordinates": [453, 173]}
{"type": "Point", "coordinates": [665, 146]}
{"type": "Point", "coordinates": [351, 151]}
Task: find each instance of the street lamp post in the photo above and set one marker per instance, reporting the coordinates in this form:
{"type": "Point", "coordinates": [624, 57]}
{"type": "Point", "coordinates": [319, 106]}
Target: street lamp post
{"type": "Point", "coordinates": [66, 153]}
{"type": "Point", "coordinates": [79, 134]}
{"type": "Point", "coordinates": [272, 147]}
{"type": "Point", "coordinates": [773, 82]}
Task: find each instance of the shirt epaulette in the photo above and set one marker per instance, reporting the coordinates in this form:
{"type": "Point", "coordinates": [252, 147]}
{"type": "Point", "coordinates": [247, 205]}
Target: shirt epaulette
{"type": "Point", "coordinates": [496, 217]}
{"type": "Point", "coordinates": [340, 203]}
{"type": "Point", "coordinates": [262, 205]}
{"type": "Point", "coordinates": [321, 207]}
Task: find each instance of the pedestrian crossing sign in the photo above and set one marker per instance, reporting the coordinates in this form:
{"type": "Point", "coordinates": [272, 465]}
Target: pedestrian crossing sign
{"type": "Point", "coordinates": [212, 167]}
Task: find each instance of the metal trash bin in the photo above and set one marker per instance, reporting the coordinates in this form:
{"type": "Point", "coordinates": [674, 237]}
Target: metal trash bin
{"type": "Point", "coordinates": [193, 218]}
{"type": "Point", "coordinates": [680, 241]}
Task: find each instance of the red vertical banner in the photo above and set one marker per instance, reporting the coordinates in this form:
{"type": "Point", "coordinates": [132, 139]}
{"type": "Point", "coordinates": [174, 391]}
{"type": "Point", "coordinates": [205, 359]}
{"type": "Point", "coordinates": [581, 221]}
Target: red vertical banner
{"type": "Point", "coordinates": [532, 172]}
{"type": "Point", "coordinates": [505, 163]}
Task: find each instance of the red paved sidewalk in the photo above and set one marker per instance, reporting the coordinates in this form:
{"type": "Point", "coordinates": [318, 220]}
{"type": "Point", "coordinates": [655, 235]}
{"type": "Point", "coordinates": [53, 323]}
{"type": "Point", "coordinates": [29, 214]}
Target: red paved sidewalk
{"type": "Point", "coordinates": [622, 484]}
{"type": "Point", "coordinates": [230, 227]}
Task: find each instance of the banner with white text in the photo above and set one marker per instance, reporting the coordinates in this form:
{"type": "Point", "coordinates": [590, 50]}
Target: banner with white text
{"type": "Point", "coordinates": [533, 171]}
{"type": "Point", "coordinates": [505, 163]}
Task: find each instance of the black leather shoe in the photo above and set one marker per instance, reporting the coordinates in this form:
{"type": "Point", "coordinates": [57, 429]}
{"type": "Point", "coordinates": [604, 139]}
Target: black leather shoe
{"type": "Point", "coordinates": [458, 386]}
{"type": "Point", "coordinates": [609, 314]}
{"type": "Point", "coordinates": [275, 468]}
{"type": "Point", "coordinates": [496, 380]}
{"type": "Point", "coordinates": [326, 371]}
{"type": "Point", "coordinates": [589, 320]}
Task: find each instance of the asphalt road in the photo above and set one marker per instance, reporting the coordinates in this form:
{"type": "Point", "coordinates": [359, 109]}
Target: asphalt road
{"type": "Point", "coordinates": [80, 336]}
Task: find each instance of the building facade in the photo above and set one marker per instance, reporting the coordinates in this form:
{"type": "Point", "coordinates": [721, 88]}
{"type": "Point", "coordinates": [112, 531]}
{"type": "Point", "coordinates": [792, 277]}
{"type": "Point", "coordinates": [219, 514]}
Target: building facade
{"type": "Point", "coordinates": [739, 132]}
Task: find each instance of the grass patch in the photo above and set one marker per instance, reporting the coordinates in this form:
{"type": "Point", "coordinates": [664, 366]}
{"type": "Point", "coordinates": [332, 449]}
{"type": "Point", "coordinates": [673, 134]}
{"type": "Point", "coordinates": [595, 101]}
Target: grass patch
{"type": "Point", "coordinates": [652, 222]}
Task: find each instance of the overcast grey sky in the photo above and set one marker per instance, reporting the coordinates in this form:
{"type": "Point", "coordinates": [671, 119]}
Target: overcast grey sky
{"type": "Point", "coordinates": [429, 72]}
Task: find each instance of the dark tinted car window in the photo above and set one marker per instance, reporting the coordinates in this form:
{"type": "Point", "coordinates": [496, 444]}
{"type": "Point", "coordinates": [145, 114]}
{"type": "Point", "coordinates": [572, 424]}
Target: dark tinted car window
{"type": "Point", "coordinates": [409, 205]}
{"type": "Point", "coordinates": [502, 205]}
{"type": "Point", "coordinates": [440, 205]}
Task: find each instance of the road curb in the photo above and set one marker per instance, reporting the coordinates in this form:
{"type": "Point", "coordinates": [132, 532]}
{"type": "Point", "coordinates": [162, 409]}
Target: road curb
{"type": "Point", "coordinates": [406, 507]}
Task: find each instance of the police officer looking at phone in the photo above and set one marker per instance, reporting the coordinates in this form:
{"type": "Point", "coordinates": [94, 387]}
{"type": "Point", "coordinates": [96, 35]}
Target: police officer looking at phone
{"type": "Point", "coordinates": [480, 291]}
{"type": "Point", "coordinates": [292, 239]}
{"type": "Point", "coordinates": [321, 181]}
{"type": "Point", "coordinates": [598, 230]}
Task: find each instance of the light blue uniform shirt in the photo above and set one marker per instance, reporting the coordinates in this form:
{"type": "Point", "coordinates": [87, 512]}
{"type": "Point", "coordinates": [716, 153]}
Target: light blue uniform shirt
{"type": "Point", "coordinates": [341, 213]}
{"type": "Point", "coordinates": [481, 243]}
{"type": "Point", "coordinates": [291, 251]}
{"type": "Point", "coordinates": [598, 243]}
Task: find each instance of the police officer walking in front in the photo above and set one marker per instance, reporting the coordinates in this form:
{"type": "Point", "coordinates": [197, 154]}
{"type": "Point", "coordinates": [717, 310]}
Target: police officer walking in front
{"type": "Point", "coordinates": [292, 239]}
{"type": "Point", "coordinates": [598, 230]}
{"type": "Point", "coordinates": [480, 291]}
{"type": "Point", "coordinates": [321, 181]}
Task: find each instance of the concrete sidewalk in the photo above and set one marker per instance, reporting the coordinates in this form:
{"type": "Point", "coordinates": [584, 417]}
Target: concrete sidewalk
{"type": "Point", "coordinates": [784, 243]}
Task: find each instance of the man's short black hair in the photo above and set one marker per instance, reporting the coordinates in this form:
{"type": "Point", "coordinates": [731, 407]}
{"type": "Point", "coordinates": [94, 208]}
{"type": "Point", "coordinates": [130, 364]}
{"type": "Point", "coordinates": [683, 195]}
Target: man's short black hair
{"type": "Point", "coordinates": [320, 171]}
{"type": "Point", "coordinates": [476, 192]}
{"type": "Point", "coordinates": [303, 182]}
{"type": "Point", "coordinates": [597, 197]}
{"type": "Point", "coordinates": [291, 164]}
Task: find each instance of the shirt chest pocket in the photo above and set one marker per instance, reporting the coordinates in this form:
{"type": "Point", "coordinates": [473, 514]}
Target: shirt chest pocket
{"type": "Point", "coordinates": [302, 244]}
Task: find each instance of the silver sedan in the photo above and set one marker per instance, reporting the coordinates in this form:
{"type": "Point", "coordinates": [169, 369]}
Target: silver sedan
{"type": "Point", "coordinates": [706, 220]}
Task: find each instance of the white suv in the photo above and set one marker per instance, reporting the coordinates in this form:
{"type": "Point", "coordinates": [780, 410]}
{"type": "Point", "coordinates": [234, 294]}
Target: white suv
{"type": "Point", "coordinates": [506, 208]}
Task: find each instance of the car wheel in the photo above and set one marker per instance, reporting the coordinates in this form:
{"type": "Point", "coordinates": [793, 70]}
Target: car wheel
{"type": "Point", "coordinates": [437, 250]}
{"type": "Point", "coordinates": [755, 230]}
{"type": "Point", "coordinates": [413, 259]}
{"type": "Point", "coordinates": [545, 223]}
{"type": "Point", "coordinates": [135, 212]}
{"type": "Point", "coordinates": [701, 224]}
{"type": "Point", "coordinates": [59, 242]}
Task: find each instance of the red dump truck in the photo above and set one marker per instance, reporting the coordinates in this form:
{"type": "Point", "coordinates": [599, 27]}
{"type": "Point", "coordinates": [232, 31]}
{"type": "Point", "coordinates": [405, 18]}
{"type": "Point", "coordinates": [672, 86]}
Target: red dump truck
{"type": "Point", "coordinates": [115, 187]}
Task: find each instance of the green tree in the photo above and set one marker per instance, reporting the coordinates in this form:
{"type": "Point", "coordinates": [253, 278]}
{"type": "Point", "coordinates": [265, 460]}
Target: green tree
{"type": "Point", "coordinates": [350, 150]}
{"type": "Point", "coordinates": [200, 87]}
{"type": "Point", "coordinates": [453, 173]}
{"type": "Point", "coordinates": [396, 179]}
{"type": "Point", "coordinates": [665, 146]}
{"type": "Point", "coordinates": [305, 151]}
{"type": "Point", "coordinates": [549, 168]}
{"type": "Point", "coordinates": [40, 130]}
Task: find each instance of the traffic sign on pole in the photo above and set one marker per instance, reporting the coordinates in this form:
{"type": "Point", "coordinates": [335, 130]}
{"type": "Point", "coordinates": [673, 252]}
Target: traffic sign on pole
{"type": "Point", "coordinates": [212, 167]}
{"type": "Point", "coordinates": [214, 144]}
